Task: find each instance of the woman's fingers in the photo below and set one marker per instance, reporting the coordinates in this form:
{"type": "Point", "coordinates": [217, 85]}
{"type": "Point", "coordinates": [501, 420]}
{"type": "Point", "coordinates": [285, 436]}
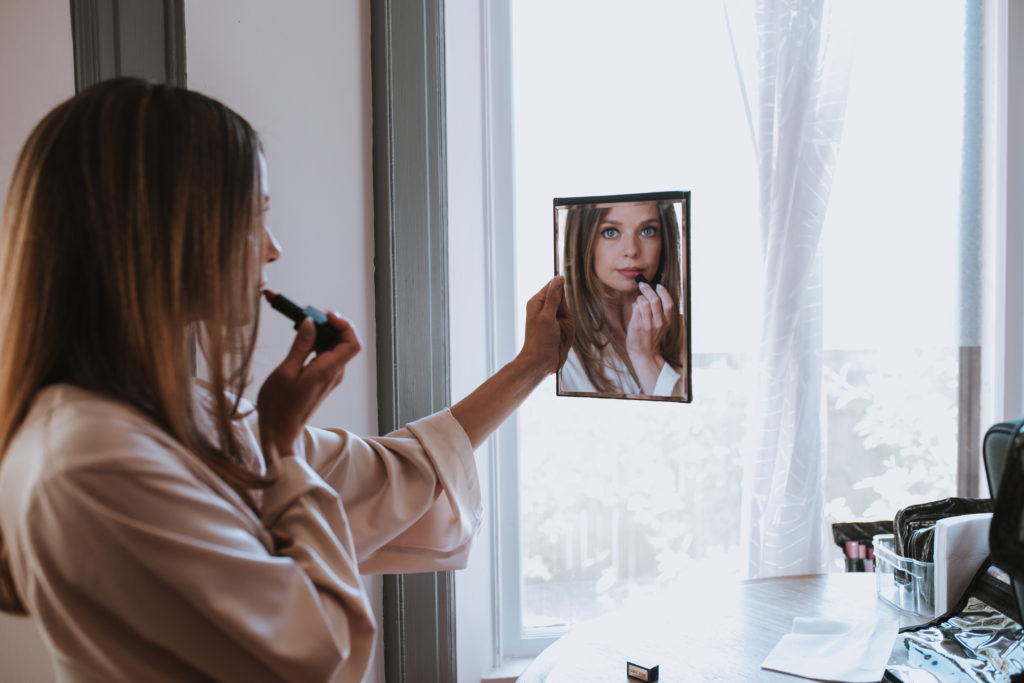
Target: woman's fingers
{"type": "Point", "coordinates": [552, 296]}
{"type": "Point", "coordinates": [566, 330]}
{"type": "Point", "coordinates": [350, 344]}
{"type": "Point", "coordinates": [548, 327]}
{"type": "Point", "coordinates": [651, 305]}
{"type": "Point", "coordinates": [642, 314]}
{"type": "Point", "coordinates": [300, 349]}
{"type": "Point", "coordinates": [296, 388]}
{"type": "Point", "coordinates": [549, 295]}
{"type": "Point", "coordinates": [667, 304]}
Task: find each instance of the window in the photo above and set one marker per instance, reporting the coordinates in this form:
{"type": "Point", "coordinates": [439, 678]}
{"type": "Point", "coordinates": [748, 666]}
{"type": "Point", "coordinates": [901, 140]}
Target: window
{"type": "Point", "coordinates": [616, 498]}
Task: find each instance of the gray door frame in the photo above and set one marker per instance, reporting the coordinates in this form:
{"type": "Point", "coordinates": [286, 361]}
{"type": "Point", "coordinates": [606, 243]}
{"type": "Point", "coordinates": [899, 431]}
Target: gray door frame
{"type": "Point", "coordinates": [410, 217]}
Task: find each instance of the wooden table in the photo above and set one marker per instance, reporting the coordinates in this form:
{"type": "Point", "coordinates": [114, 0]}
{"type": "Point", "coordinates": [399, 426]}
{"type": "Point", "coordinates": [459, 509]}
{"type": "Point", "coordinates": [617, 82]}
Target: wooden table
{"type": "Point", "coordinates": [703, 633]}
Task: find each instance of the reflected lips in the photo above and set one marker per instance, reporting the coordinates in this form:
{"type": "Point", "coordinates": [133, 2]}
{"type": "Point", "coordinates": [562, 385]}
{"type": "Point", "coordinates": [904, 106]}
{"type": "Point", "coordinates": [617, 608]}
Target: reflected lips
{"type": "Point", "coordinates": [631, 273]}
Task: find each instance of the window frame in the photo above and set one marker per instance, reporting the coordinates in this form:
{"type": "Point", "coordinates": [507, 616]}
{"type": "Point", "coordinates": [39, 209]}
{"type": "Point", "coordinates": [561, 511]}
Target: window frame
{"type": "Point", "coordinates": [1006, 401]}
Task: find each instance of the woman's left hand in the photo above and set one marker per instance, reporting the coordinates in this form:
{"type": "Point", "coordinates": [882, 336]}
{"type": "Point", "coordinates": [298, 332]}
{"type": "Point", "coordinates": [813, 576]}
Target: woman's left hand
{"type": "Point", "coordinates": [648, 324]}
{"type": "Point", "coordinates": [549, 334]}
{"type": "Point", "coordinates": [549, 329]}
{"type": "Point", "coordinates": [296, 388]}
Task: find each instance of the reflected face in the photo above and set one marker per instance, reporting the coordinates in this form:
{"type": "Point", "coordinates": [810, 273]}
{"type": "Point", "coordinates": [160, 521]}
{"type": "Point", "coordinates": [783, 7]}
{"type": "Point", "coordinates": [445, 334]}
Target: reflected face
{"type": "Point", "coordinates": [628, 243]}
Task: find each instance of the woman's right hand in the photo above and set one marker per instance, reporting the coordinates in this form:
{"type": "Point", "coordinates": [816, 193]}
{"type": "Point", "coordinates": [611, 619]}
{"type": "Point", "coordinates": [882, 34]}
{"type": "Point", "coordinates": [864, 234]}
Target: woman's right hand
{"type": "Point", "coordinates": [648, 324]}
{"type": "Point", "coordinates": [296, 388]}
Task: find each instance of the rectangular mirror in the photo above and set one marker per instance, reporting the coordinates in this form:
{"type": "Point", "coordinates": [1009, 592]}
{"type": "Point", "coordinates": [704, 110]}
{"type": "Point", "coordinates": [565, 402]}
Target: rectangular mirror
{"type": "Point", "coordinates": [625, 260]}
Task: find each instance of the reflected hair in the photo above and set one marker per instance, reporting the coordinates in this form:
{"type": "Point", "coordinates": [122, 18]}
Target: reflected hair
{"type": "Point", "coordinates": [131, 227]}
{"type": "Point", "coordinates": [586, 294]}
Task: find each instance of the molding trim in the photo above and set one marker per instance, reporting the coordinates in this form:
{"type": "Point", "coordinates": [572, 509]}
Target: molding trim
{"type": "Point", "coordinates": [93, 42]}
{"type": "Point", "coordinates": [139, 38]}
{"type": "Point", "coordinates": [175, 65]}
{"type": "Point", "coordinates": [410, 234]}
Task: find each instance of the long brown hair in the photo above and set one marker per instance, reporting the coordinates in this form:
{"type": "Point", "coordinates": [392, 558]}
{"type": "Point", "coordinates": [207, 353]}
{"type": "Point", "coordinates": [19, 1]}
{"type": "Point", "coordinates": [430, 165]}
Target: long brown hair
{"type": "Point", "coordinates": [585, 293]}
{"type": "Point", "coordinates": [133, 218]}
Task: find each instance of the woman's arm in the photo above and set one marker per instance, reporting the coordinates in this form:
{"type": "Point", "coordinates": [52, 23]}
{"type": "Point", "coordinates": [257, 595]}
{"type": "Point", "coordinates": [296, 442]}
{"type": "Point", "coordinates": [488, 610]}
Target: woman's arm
{"type": "Point", "coordinates": [294, 390]}
{"type": "Point", "coordinates": [549, 331]}
{"type": "Point", "coordinates": [412, 497]}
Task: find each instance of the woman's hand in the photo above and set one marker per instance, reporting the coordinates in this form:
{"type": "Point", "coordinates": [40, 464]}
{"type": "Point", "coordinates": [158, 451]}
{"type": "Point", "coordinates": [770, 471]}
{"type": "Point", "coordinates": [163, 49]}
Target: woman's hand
{"type": "Point", "coordinates": [549, 333]}
{"type": "Point", "coordinates": [549, 329]}
{"type": "Point", "coordinates": [648, 324]}
{"type": "Point", "coordinates": [294, 390]}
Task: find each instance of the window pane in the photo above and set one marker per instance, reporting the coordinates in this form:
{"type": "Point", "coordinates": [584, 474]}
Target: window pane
{"type": "Point", "coordinates": [619, 497]}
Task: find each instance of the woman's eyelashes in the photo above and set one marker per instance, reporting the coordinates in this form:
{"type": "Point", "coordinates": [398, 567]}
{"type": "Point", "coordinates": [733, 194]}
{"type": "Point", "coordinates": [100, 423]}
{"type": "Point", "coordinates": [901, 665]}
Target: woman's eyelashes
{"type": "Point", "coordinates": [646, 231]}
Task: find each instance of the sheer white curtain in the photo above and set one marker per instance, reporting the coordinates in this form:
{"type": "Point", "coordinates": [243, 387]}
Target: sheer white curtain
{"type": "Point", "coordinates": [802, 74]}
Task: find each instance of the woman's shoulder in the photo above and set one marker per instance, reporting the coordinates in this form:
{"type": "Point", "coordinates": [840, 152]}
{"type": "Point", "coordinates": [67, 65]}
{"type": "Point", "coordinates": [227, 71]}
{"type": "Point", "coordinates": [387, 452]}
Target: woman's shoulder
{"type": "Point", "coordinates": [68, 427]}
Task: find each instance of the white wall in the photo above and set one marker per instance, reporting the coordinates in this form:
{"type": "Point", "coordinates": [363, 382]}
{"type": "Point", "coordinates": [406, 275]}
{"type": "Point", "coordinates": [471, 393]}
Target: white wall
{"type": "Point", "coordinates": [36, 73]}
{"type": "Point", "coordinates": [300, 73]}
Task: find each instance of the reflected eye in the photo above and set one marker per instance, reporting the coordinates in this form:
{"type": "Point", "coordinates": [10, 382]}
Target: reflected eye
{"type": "Point", "coordinates": [649, 231]}
{"type": "Point", "coordinates": [609, 233]}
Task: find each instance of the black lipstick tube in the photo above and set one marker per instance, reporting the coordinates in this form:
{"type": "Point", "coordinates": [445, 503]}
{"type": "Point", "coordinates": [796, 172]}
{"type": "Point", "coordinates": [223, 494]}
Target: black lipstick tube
{"type": "Point", "coordinates": [327, 336]}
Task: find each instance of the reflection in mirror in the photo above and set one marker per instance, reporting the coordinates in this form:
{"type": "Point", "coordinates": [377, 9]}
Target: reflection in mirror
{"type": "Point", "coordinates": [625, 259]}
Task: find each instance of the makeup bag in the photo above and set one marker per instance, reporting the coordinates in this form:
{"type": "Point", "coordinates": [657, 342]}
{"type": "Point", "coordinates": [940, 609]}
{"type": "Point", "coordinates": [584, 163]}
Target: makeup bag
{"type": "Point", "coordinates": [981, 638]}
{"type": "Point", "coordinates": [914, 525]}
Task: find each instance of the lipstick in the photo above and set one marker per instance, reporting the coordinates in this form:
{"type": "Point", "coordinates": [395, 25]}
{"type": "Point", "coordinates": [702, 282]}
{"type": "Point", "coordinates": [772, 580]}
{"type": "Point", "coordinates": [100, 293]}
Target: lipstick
{"type": "Point", "coordinates": [640, 278]}
{"type": "Point", "coordinates": [327, 336]}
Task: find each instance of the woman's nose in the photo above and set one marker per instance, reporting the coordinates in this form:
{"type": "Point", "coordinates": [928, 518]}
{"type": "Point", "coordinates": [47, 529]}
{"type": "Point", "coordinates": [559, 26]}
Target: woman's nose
{"type": "Point", "coordinates": [631, 246]}
{"type": "Point", "coordinates": [271, 247]}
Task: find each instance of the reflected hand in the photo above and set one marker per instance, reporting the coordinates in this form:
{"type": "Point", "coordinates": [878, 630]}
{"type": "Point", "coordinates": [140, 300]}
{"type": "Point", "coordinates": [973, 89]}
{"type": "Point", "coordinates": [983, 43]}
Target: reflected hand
{"type": "Point", "coordinates": [549, 329]}
{"type": "Point", "coordinates": [296, 388]}
{"type": "Point", "coordinates": [648, 324]}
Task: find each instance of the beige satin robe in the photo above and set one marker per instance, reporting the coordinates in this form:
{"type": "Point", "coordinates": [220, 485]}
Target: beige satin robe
{"type": "Point", "coordinates": [574, 378]}
{"type": "Point", "coordinates": [141, 564]}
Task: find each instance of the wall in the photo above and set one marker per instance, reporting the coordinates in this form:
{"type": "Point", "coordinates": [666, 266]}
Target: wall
{"type": "Point", "coordinates": [36, 73]}
{"type": "Point", "coordinates": [301, 74]}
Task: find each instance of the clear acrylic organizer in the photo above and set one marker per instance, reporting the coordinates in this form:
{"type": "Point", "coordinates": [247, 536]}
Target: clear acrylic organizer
{"type": "Point", "coordinates": [905, 583]}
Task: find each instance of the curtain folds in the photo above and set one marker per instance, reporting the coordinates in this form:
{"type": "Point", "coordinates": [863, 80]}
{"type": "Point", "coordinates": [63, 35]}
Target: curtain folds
{"type": "Point", "coordinates": [802, 76]}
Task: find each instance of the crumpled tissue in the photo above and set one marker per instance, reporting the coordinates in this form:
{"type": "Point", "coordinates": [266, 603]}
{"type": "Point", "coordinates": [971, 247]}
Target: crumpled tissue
{"type": "Point", "coordinates": [834, 650]}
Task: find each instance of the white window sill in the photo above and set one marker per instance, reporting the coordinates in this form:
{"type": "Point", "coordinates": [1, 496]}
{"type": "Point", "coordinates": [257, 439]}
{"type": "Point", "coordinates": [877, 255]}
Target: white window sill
{"type": "Point", "coordinates": [508, 672]}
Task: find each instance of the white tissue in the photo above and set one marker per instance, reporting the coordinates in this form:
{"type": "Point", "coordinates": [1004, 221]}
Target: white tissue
{"type": "Point", "coordinates": [831, 650]}
{"type": "Point", "coordinates": [961, 545]}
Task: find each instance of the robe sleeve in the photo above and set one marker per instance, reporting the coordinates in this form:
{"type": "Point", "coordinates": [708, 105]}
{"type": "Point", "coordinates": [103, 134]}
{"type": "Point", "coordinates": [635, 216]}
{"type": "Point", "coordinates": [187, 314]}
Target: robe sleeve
{"type": "Point", "coordinates": [412, 497]}
{"type": "Point", "coordinates": [669, 383]}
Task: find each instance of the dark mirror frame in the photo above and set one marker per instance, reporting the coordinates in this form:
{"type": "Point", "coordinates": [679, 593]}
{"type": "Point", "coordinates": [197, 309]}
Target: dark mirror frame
{"type": "Point", "coordinates": [561, 206]}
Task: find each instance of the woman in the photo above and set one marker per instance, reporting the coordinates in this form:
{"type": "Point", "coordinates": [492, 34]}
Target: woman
{"type": "Point", "coordinates": [162, 530]}
{"type": "Point", "coordinates": [628, 336]}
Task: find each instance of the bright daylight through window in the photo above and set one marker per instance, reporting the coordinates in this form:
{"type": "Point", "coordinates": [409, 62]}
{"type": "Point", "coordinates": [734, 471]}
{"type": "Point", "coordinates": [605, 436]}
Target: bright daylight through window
{"type": "Point", "coordinates": [621, 497]}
